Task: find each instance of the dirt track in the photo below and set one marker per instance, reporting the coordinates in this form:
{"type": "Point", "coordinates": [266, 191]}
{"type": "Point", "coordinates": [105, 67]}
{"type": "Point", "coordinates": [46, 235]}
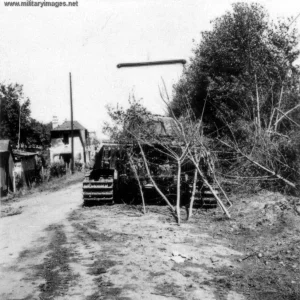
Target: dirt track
{"type": "Point", "coordinates": [56, 249]}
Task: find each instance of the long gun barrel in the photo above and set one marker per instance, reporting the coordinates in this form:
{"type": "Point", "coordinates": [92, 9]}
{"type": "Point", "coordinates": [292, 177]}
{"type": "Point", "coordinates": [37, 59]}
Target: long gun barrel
{"type": "Point", "coordinates": [152, 63]}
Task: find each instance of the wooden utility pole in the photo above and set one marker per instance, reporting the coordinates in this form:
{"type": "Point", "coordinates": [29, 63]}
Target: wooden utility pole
{"type": "Point", "coordinates": [20, 111]}
{"type": "Point", "coordinates": [72, 133]}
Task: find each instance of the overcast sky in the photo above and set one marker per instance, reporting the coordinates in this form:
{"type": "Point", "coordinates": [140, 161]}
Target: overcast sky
{"type": "Point", "coordinates": [40, 46]}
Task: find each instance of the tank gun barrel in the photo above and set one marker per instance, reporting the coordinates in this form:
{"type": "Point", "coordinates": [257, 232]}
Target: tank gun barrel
{"type": "Point", "coordinates": [152, 63]}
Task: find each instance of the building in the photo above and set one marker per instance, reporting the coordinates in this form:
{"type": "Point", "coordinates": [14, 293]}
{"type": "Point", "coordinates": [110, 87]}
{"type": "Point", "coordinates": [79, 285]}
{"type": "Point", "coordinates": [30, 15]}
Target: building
{"type": "Point", "coordinates": [60, 150]}
{"type": "Point", "coordinates": [26, 166]}
{"type": "Point", "coordinates": [6, 167]}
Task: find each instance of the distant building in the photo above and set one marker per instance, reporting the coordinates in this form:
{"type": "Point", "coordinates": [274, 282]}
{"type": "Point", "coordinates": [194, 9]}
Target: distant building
{"type": "Point", "coordinates": [61, 142]}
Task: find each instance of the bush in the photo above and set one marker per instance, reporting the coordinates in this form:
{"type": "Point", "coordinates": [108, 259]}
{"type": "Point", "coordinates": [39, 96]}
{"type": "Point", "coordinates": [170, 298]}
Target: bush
{"type": "Point", "coordinates": [57, 169]}
{"type": "Point", "coordinates": [89, 165]}
{"type": "Point", "coordinates": [277, 153]}
{"type": "Point", "coordinates": [78, 165]}
{"type": "Point", "coordinates": [19, 181]}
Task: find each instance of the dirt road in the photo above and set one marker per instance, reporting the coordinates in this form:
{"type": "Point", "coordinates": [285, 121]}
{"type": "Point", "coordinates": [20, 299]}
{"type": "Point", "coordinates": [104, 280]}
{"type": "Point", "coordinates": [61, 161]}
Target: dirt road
{"type": "Point", "coordinates": [57, 249]}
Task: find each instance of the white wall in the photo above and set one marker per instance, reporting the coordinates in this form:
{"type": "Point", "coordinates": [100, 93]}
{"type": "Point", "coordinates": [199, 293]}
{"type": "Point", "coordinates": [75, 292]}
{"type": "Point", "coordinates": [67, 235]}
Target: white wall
{"type": "Point", "coordinates": [58, 147]}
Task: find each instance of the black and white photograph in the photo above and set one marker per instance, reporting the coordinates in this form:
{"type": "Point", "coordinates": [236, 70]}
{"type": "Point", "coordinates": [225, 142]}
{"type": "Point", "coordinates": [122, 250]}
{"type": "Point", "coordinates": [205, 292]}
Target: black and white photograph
{"type": "Point", "coordinates": [149, 150]}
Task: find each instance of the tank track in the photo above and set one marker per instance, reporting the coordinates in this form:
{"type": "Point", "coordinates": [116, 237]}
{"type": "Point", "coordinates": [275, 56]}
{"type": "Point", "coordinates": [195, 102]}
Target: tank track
{"type": "Point", "coordinates": [100, 189]}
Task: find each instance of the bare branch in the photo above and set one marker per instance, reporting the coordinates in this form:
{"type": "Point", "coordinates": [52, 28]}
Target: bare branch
{"type": "Point", "coordinates": [259, 165]}
{"type": "Point", "coordinates": [151, 178]}
{"type": "Point", "coordinates": [209, 186]}
{"type": "Point", "coordinates": [138, 180]}
{"type": "Point", "coordinates": [285, 116]}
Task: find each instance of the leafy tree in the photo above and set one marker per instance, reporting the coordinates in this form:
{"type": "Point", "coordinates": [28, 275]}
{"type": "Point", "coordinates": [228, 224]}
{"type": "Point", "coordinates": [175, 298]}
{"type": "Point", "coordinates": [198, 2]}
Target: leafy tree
{"type": "Point", "coordinates": [243, 69]}
{"type": "Point", "coordinates": [11, 108]}
{"type": "Point", "coordinates": [93, 140]}
{"type": "Point", "coordinates": [158, 150]}
{"type": "Point", "coordinates": [15, 114]}
{"type": "Point", "coordinates": [39, 133]}
{"type": "Point", "coordinates": [244, 83]}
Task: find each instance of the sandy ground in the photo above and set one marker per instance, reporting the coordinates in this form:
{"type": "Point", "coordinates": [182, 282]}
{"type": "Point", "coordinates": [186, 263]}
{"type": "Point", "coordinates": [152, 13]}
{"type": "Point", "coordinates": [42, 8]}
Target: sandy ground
{"type": "Point", "coordinates": [37, 212]}
{"type": "Point", "coordinates": [57, 249]}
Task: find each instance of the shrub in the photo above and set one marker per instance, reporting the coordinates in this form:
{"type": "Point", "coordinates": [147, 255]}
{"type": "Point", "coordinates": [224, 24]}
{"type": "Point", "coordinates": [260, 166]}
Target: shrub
{"type": "Point", "coordinates": [19, 180]}
{"type": "Point", "coordinates": [89, 165]}
{"type": "Point", "coordinates": [57, 169]}
{"type": "Point", "coordinates": [78, 165]}
{"type": "Point", "coordinates": [278, 153]}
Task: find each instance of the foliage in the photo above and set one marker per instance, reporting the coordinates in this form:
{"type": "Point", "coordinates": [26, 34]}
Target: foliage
{"type": "Point", "coordinates": [11, 97]}
{"type": "Point", "coordinates": [19, 181]}
{"type": "Point", "coordinates": [57, 169]}
{"type": "Point", "coordinates": [127, 122]}
{"type": "Point", "coordinates": [242, 80]}
{"type": "Point", "coordinates": [241, 70]}
{"type": "Point", "coordinates": [164, 147]}
{"type": "Point", "coordinates": [45, 157]}
{"type": "Point", "coordinates": [279, 155]}
{"type": "Point", "coordinates": [93, 141]}
{"type": "Point", "coordinates": [15, 113]}
{"type": "Point", "coordinates": [39, 134]}
{"type": "Point", "coordinates": [78, 165]}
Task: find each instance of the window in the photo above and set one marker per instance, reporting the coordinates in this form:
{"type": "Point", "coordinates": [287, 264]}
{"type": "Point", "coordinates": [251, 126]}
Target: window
{"type": "Point", "coordinates": [66, 138]}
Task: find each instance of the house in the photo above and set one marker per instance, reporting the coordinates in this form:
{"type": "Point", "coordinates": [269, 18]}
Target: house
{"type": "Point", "coordinates": [61, 142]}
{"type": "Point", "coordinates": [6, 167]}
{"type": "Point", "coordinates": [26, 166]}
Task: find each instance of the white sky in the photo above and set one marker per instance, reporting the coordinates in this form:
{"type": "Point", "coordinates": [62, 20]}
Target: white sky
{"type": "Point", "coordinates": [40, 46]}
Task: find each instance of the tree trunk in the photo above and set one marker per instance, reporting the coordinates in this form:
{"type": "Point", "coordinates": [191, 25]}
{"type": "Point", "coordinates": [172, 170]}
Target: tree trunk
{"type": "Point", "coordinates": [279, 107]}
{"type": "Point", "coordinates": [139, 182]}
{"type": "Point", "coordinates": [178, 192]}
{"type": "Point", "coordinates": [257, 107]}
{"type": "Point", "coordinates": [193, 194]}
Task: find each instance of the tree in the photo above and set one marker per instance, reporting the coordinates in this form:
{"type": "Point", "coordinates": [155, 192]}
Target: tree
{"type": "Point", "coordinates": [39, 133]}
{"type": "Point", "coordinates": [244, 82]}
{"type": "Point", "coordinates": [13, 113]}
{"type": "Point", "coordinates": [243, 69]}
{"type": "Point", "coordinates": [16, 121]}
{"type": "Point", "coordinates": [135, 126]}
{"type": "Point", "coordinates": [173, 148]}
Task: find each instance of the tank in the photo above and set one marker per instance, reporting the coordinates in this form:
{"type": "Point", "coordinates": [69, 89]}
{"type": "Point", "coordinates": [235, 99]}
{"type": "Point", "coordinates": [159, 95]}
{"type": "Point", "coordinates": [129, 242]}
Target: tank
{"type": "Point", "coordinates": [112, 179]}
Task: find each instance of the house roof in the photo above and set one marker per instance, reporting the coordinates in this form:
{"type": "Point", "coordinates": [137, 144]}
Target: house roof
{"type": "Point", "coordinates": [66, 125]}
{"type": "Point", "coordinates": [4, 146]}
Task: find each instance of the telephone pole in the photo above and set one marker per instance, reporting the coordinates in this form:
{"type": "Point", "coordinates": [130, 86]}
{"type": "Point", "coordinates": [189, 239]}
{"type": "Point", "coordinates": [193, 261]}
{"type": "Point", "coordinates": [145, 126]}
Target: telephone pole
{"type": "Point", "coordinates": [20, 111]}
{"type": "Point", "coordinates": [72, 133]}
